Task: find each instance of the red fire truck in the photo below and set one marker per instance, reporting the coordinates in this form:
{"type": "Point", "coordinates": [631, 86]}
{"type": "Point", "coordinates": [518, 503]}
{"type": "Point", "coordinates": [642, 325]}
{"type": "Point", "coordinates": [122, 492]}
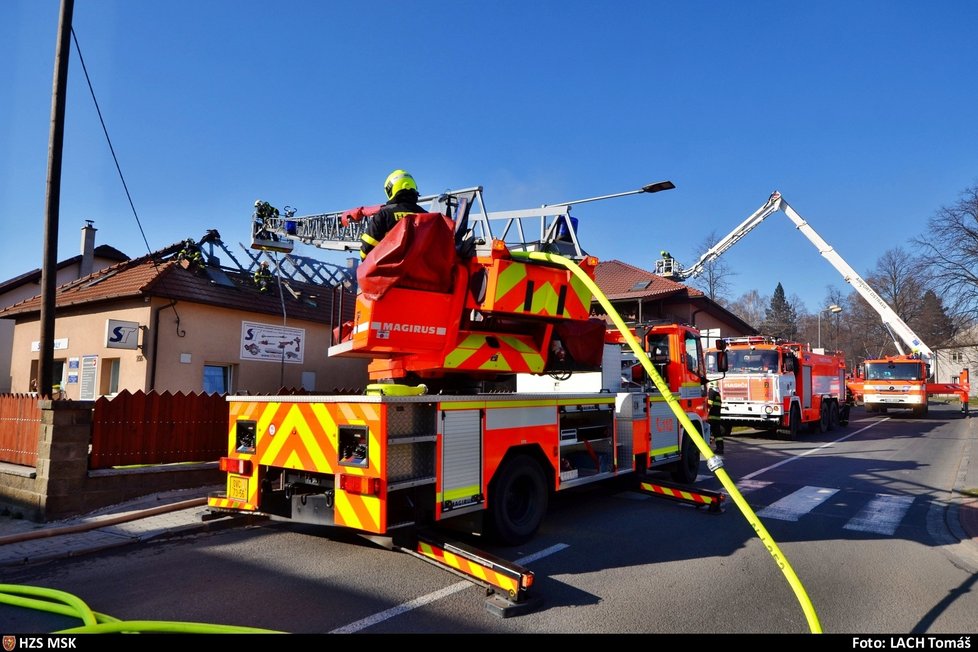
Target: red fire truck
{"type": "Point", "coordinates": [773, 384]}
{"type": "Point", "coordinates": [425, 447]}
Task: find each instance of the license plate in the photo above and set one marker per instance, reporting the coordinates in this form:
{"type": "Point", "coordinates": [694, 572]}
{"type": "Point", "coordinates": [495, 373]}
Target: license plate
{"type": "Point", "coordinates": [238, 489]}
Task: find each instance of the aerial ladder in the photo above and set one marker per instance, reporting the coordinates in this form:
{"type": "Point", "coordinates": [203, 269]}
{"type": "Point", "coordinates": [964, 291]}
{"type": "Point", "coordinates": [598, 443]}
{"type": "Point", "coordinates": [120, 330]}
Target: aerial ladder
{"type": "Point", "coordinates": [902, 379]}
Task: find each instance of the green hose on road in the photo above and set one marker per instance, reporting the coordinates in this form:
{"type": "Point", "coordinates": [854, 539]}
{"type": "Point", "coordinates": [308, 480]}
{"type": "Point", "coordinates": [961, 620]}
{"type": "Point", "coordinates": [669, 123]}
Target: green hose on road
{"type": "Point", "coordinates": [65, 604]}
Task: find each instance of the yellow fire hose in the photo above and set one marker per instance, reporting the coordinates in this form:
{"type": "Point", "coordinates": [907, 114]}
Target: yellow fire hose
{"type": "Point", "coordinates": [714, 463]}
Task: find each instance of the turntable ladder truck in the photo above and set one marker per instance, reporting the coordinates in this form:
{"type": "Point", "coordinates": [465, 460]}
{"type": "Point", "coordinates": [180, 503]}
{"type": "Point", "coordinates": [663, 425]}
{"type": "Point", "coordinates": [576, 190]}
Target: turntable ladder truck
{"type": "Point", "coordinates": [399, 462]}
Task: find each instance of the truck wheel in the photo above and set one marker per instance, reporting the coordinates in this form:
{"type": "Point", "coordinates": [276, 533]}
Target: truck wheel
{"type": "Point", "coordinates": [794, 421]}
{"type": "Point", "coordinates": [920, 411]}
{"type": "Point", "coordinates": [844, 415]}
{"type": "Point", "coordinates": [518, 499]}
{"type": "Point", "coordinates": [834, 415]}
{"type": "Point", "coordinates": [823, 418]}
{"type": "Point", "coordinates": [686, 469]}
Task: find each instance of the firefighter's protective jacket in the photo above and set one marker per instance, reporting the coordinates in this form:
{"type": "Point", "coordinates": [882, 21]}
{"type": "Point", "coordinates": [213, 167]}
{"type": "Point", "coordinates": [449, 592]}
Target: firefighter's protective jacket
{"type": "Point", "coordinates": [403, 203]}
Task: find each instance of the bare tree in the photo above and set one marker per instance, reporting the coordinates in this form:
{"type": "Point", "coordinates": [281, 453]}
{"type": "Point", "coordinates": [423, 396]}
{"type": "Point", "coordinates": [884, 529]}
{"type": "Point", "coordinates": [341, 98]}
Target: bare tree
{"type": "Point", "coordinates": [950, 247]}
{"type": "Point", "coordinates": [714, 280]}
{"type": "Point", "coordinates": [750, 307]}
{"type": "Point", "coordinates": [898, 280]}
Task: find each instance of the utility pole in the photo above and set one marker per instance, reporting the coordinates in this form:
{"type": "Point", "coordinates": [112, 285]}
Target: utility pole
{"type": "Point", "coordinates": [49, 263]}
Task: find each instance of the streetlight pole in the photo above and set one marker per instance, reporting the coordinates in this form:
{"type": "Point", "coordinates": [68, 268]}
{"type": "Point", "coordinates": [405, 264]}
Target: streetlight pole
{"type": "Point", "coordinates": [658, 186]}
{"type": "Point", "coordinates": [833, 309]}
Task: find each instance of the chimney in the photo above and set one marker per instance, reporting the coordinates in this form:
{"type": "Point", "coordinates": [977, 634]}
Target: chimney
{"type": "Point", "coordinates": [87, 249]}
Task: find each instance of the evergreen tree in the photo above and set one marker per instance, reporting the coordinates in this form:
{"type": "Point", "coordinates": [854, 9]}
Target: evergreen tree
{"type": "Point", "coordinates": [936, 327]}
{"type": "Point", "coordinates": [780, 319]}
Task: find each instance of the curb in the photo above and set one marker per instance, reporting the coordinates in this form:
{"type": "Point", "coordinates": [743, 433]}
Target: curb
{"type": "Point", "coordinates": [97, 539]}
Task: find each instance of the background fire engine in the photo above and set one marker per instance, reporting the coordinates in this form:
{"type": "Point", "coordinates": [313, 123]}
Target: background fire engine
{"type": "Point", "coordinates": [771, 384]}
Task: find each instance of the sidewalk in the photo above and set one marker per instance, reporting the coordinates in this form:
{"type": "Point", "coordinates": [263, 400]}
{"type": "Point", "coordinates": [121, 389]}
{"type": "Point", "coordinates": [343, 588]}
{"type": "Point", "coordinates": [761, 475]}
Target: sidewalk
{"type": "Point", "coordinates": [159, 515]}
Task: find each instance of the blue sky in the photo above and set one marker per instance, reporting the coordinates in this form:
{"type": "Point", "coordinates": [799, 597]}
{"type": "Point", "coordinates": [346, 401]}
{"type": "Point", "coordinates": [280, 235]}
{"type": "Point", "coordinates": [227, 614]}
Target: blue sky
{"type": "Point", "coordinates": [863, 115]}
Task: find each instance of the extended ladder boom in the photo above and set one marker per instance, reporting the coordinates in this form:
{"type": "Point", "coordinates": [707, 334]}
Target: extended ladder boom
{"type": "Point", "coordinates": [547, 228]}
{"type": "Point", "coordinates": [898, 329]}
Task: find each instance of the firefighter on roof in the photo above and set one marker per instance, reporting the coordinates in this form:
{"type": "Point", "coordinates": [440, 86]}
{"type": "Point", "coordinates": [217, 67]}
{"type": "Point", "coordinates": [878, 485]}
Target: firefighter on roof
{"type": "Point", "coordinates": [402, 199]}
{"type": "Point", "coordinates": [263, 277]}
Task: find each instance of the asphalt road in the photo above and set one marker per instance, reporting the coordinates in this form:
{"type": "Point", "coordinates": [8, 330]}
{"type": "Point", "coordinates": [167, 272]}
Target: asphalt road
{"type": "Point", "coordinates": [858, 513]}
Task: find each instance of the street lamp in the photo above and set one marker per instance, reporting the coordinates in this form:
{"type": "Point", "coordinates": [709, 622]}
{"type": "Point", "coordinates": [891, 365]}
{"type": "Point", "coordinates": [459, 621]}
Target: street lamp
{"type": "Point", "coordinates": [833, 309]}
{"type": "Point", "coordinates": [658, 186]}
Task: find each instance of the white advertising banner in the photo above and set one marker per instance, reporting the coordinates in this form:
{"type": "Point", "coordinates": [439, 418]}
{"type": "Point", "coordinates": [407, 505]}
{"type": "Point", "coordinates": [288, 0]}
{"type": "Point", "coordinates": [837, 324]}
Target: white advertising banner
{"type": "Point", "coordinates": [269, 343]}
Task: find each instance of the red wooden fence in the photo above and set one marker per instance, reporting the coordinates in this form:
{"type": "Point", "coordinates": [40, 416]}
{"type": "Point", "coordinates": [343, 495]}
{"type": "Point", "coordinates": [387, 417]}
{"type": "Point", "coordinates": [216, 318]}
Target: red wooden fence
{"type": "Point", "coordinates": [158, 429]}
{"type": "Point", "coordinates": [20, 428]}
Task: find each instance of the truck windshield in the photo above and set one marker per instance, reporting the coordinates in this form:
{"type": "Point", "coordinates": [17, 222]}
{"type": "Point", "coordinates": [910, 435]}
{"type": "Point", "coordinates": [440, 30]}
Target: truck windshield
{"type": "Point", "coordinates": [752, 360]}
{"type": "Point", "coordinates": [893, 371]}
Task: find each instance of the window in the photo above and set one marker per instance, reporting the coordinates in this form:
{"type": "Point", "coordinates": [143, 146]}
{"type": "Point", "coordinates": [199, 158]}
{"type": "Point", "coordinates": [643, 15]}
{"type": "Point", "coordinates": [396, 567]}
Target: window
{"type": "Point", "coordinates": [58, 375]}
{"type": "Point", "coordinates": [217, 379]}
{"type": "Point", "coordinates": [693, 353]}
{"type": "Point", "coordinates": [108, 383]}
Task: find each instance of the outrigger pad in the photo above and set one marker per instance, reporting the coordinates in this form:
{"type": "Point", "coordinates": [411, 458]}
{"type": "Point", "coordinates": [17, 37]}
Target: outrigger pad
{"type": "Point", "coordinates": [499, 606]}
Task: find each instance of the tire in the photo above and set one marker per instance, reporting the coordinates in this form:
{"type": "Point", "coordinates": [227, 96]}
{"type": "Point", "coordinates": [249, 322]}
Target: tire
{"type": "Point", "coordinates": [821, 424]}
{"type": "Point", "coordinates": [844, 415]}
{"type": "Point", "coordinates": [920, 412]}
{"type": "Point", "coordinates": [518, 498]}
{"type": "Point", "coordinates": [794, 421]}
{"type": "Point", "coordinates": [834, 416]}
{"type": "Point", "coordinates": [688, 467]}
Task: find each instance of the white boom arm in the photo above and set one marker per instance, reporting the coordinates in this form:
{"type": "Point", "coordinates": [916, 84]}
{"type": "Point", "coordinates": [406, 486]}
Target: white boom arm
{"type": "Point", "coordinates": [897, 328]}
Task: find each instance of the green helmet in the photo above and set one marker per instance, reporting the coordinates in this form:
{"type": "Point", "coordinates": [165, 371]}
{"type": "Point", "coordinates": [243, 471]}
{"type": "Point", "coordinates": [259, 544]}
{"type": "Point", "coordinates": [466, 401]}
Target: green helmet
{"type": "Point", "coordinates": [397, 181]}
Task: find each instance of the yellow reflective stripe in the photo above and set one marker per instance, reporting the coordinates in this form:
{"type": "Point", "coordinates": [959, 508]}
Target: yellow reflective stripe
{"type": "Point", "coordinates": [581, 290]}
{"type": "Point", "coordinates": [463, 492]}
{"type": "Point", "coordinates": [373, 242]}
{"type": "Point", "coordinates": [534, 361]}
{"type": "Point", "coordinates": [664, 450]}
{"type": "Point", "coordinates": [544, 300]}
{"type": "Point", "coordinates": [466, 405]}
{"type": "Point", "coordinates": [464, 350]}
{"type": "Point", "coordinates": [500, 363]}
{"type": "Point", "coordinates": [509, 278]}
{"type": "Point", "coordinates": [516, 343]}
{"type": "Point", "coordinates": [577, 401]}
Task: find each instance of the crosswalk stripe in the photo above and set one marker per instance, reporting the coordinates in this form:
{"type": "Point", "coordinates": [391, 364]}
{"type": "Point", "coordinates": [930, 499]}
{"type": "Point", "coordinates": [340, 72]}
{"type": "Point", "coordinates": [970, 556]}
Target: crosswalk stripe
{"type": "Point", "coordinates": [747, 486]}
{"type": "Point", "coordinates": [797, 504]}
{"type": "Point", "coordinates": [881, 515]}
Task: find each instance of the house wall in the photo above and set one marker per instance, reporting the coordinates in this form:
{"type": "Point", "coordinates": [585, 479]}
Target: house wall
{"type": "Point", "coordinates": [85, 335]}
{"type": "Point", "coordinates": [204, 335]}
{"type": "Point", "coordinates": [213, 336]}
{"type": "Point", "coordinates": [20, 293]}
{"type": "Point", "coordinates": [949, 362]}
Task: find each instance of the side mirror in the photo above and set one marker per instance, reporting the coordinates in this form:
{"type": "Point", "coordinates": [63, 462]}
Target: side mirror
{"type": "Point", "coordinates": [721, 358]}
{"type": "Point", "coordinates": [789, 364]}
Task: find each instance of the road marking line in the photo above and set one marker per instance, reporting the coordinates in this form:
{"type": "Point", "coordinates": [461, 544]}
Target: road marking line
{"type": "Point", "coordinates": [747, 486]}
{"type": "Point", "coordinates": [881, 515]}
{"type": "Point", "coordinates": [797, 504]}
{"type": "Point", "coordinates": [410, 605]}
{"type": "Point", "coordinates": [812, 450]}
